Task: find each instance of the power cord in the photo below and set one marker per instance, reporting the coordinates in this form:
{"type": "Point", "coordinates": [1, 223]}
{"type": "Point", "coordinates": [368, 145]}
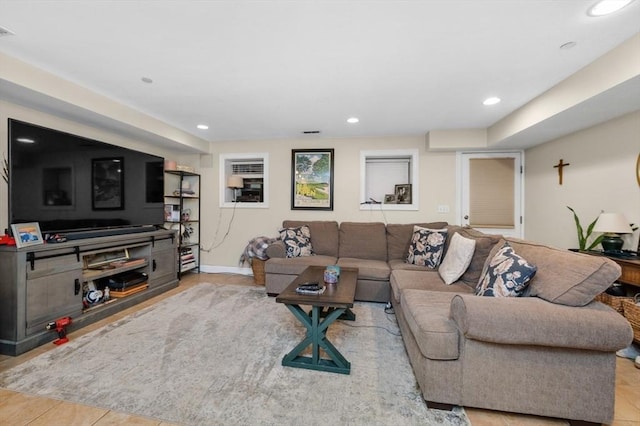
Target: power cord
{"type": "Point", "coordinates": [372, 326]}
{"type": "Point", "coordinates": [224, 237]}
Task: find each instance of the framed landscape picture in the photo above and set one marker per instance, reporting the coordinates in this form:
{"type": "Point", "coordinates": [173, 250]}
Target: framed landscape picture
{"type": "Point", "coordinates": [312, 179]}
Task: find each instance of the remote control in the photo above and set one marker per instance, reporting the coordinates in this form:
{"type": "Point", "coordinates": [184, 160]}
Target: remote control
{"type": "Point", "coordinates": [309, 284]}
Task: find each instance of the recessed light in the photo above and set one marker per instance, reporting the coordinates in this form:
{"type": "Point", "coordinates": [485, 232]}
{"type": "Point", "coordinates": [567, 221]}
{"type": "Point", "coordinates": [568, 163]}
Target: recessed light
{"type": "Point", "coordinates": [568, 45]}
{"type": "Point", "coordinates": [605, 7]}
{"type": "Point", "coordinates": [491, 101]}
{"type": "Point", "coordinates": [147, 80]}
{"type": "Point", "coordinates": [25, 140]}
{"type": "Point", "coordinates": [202, 126]}
{"type": "Point", "coordinates": [353, 120]}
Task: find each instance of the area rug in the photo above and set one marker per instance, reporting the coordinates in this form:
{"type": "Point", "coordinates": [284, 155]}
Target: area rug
{"type": "Point", "coordinates": [211, 355]}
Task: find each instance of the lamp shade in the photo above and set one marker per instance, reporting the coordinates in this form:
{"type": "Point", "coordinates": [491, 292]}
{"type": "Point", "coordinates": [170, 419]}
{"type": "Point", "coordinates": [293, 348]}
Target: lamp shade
{"type": "Point", "coordinates": [612, 223]}
{"type": "Point", "coordinates": [235, 181]}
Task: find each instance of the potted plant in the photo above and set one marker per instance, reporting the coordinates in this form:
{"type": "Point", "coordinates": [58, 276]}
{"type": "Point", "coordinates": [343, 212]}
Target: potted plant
{"type": "Point", "coordinates": [583, 237]}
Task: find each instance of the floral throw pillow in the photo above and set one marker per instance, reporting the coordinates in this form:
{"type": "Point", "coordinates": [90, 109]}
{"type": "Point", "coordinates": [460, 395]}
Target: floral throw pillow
{"type": "Point", "coordinates": [297, 241]}
{"type": "Point", "coordinates": [426, 246]}
{"type": "Point", "coordinates": [506, 275]}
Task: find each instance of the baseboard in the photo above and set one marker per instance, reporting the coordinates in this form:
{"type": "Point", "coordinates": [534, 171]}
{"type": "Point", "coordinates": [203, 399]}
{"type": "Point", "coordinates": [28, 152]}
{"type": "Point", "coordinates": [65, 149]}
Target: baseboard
{"type": "Point", "coordinates": [213, 269]}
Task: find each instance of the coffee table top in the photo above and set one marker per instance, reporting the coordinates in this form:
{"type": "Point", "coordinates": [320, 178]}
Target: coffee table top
{"type": "Point", "coordinates": [339, 295]}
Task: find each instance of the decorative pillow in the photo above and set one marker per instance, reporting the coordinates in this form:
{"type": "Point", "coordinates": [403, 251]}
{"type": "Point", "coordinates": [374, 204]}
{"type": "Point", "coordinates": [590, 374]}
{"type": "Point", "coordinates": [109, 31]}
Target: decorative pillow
{"type": "Point", "coordinates": [457, 259]}
{"type": "Point", "coordinates": [297, 241]}
{"type": "Point", "coordinates": [426, 247]}
{"type": "Point", "coordinates": [505, 275]}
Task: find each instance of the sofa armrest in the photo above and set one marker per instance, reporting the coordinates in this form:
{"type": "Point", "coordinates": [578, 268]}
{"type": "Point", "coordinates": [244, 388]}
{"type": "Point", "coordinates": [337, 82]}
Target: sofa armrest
{"type": "Point", "coordinates": [533, 321]}
{"type": "Point", "coordinates": [276, 249]}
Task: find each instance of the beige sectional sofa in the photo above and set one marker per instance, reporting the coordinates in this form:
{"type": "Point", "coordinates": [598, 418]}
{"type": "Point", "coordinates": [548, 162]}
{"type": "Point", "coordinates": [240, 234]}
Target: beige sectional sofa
{"type": "Point", "coordinates": [372, 247]}
{"type": "Point", "coordinates": [551, 353]}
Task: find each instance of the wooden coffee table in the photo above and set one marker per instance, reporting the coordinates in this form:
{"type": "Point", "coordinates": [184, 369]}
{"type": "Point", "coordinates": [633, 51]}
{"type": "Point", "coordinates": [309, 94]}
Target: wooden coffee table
{"type": "Point", "coordinates": [333, 304]}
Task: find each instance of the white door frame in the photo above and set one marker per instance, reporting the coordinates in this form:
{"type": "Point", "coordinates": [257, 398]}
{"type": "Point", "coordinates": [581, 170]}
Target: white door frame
{"type": "Point", "coordinates": [462, 189]}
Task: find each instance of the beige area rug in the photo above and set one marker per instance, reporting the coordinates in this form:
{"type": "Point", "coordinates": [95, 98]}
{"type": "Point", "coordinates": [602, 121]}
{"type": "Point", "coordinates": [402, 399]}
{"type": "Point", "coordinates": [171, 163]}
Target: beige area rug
{"type": "Point", "coordinates": [212, 354]}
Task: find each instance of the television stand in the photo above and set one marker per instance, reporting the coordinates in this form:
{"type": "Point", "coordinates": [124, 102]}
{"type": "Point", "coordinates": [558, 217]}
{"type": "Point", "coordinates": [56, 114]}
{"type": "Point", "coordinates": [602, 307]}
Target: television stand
{"type": "Point", "coordinates": [41, 284]}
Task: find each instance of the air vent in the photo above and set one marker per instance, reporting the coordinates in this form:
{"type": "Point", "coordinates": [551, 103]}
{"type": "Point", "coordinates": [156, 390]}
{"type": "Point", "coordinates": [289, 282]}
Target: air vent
{"type": "Point", "coordinates": [247, 168]}
{"type": "Point", "coordinates": [5, 32]}
{"type": "Point", "coordinates": [311, 132]}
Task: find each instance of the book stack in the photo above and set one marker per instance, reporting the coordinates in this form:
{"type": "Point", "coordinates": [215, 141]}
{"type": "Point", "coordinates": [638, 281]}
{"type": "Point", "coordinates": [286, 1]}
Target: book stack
{"type": "Point", "coordinates": [187, 259]}
{"type": "Point", "coordinates": [310, 288]}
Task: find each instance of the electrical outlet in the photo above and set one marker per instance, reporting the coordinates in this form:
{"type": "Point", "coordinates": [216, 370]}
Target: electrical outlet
{"type": "Point", "coordinates": [443, 209]}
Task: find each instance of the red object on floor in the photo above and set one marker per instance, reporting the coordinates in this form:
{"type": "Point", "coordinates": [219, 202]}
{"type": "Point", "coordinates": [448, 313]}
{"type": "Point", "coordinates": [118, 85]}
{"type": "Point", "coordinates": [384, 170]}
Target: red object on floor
{"type": "Point", "coordinates": [7, 240]}
{"type": "Point", "coordinates": [60, 326]}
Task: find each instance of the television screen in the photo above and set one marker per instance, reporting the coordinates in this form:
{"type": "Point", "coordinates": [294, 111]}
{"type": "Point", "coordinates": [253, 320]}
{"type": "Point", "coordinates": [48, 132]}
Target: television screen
{"type": "Point", "coordinates": [71, 183]}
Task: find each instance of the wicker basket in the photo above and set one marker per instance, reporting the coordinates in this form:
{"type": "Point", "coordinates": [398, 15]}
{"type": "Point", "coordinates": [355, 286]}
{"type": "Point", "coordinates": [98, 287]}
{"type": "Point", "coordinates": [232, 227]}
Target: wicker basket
{"type": "Point", "coordinates": [257, 265]}
{"type": "Point", "coordinates": [632, 314]}
{"type": "Point", "coordinates": [616, 302]}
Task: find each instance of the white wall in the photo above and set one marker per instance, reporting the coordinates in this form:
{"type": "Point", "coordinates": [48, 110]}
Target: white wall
{"type": "Point", "coordinates": [602, 176]}
{"type": "Point", "coordinates": [437, 186]}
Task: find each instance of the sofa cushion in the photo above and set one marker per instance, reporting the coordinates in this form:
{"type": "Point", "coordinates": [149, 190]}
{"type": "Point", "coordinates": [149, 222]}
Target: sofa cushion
{"type": "Point", "coordinates": [399, 237]}
{"type": "Point", "coordinates": [295, 265]}
{"type": "Point", "coordinates": [426, 246]}
{"type": "Point", "coordinates": [297, 241]}
{"type": "Point", "coordinates": [427, 315]}
{"type": "Point", "coordinates": [484, 244]}
{"type": "Point", "coordinates": [324, 235]}
{"type": "Point", "coordinates": [366, 240]}
{"type": "Point", "coordinates": [367, 269]}
{"type": "Point", "coordinates": [565, 277]}
{"type": "Point", "coordinates": [506, 274]}
{"type": "Point", "coordinates": [458, 258]}
{"type": "Point", "coordinates": [425, 279]}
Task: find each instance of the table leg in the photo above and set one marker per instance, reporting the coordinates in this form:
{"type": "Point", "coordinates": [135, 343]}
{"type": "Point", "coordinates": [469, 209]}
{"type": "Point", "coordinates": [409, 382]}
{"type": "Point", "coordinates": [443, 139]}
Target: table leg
{"type": "Point", "coordinates": [317, 338]}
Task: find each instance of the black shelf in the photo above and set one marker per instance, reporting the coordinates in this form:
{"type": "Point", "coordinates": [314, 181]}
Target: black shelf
{"type": "Point", "coordinates": [183, 202]}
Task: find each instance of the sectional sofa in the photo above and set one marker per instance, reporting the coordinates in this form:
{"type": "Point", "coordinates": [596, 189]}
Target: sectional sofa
{"type": "Point", "coordinates": [549, 352]}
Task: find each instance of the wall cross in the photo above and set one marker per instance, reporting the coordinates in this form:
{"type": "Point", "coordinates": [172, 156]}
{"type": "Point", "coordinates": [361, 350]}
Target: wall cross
{"type": "Point", "coordinates": [560, 166]}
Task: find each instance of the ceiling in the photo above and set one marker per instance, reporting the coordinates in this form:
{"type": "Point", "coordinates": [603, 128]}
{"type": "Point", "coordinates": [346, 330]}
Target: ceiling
{"type": "Point", "coordinates": [255, 70]}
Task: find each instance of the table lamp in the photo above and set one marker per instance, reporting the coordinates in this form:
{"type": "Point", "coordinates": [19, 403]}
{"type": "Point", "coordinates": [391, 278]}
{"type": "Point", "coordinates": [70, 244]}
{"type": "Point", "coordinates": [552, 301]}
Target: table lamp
{"type": "Point", "coordinates": [612, 225]}
{"type": "Point", "coordinates": [235, 182]}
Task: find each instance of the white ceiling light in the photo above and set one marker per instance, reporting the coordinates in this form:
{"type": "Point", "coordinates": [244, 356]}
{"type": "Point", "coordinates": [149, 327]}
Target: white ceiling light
{"type": "Point", "coordinates": [202, 126]}
{"type": "Point", "coordinates": [491, 101]}
{"type": "Point", "coordinates": [353, 120]}
{"type": "Point", "coordinates": [25, 140]}
{"type": "Point", "coordinates": [605, 7]}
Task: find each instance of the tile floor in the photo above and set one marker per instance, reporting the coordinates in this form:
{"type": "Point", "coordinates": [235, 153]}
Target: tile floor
{"type": "Point", "coordinates": [22, 409]}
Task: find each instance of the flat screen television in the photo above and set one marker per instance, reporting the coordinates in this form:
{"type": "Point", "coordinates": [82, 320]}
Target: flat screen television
{"type": "Point", "coordinates": [79, 187]}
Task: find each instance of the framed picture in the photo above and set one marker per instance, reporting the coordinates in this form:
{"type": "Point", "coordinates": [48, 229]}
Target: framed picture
{"type": "Point", "coordinates": [27, 234]}
{"type": "Point", "coordinates": [390, 199]}
{"type": "Point", "coordinates": [107, 183]}
{"type": "Point", "coordinates": [312, 179]}
{"type": "Point", "coordinates": [403, 194]}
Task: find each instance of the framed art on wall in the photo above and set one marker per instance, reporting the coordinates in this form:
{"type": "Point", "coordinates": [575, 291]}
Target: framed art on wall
{"type": "Point", "coordinates": [312, 179]}
{"type": "Point", "coordinates": [107, 183]}
{"type": "Point", "coordinates": [27, 234]}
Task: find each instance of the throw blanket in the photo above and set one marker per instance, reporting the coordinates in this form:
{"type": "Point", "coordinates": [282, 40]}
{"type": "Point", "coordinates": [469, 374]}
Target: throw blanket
{"type": "Point", "coordinates": [256, 248]}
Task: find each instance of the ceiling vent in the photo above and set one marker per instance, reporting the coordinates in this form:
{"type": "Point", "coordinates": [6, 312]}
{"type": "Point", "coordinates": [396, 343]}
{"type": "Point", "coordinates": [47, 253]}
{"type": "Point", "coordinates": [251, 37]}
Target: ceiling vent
{"type": "Point", "coordinates": [311, 132]}
{"type": "Point", "coordinates": [5, 32]}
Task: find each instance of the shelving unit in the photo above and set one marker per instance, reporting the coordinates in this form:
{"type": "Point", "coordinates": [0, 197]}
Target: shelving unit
{"type": "Point", "coordinates": [182, 213]}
